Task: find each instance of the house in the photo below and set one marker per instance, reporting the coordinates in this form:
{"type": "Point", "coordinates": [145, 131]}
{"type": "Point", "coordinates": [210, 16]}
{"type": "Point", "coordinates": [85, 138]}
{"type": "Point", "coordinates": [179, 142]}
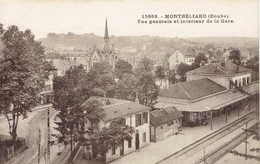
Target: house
{"type": "Point", "coordinates": [222, 73]}
{"type": "Point", "coordinates": [177, 57]}
{"type": "Point", "coordinates": [164, 122]}
{"type": "Point", "coordinates": [200, 100]}
{"type": "Point", "coordinates": [134, 115]}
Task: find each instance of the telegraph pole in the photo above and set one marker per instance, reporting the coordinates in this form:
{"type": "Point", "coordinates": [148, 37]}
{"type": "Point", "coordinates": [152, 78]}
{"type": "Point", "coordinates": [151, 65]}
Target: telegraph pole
{"type": "Point", "coordinates": [39, 146]}
{"type": "Point", "coordinates": [246, 143]}
{"type": "Point", "coordinates": [48, 142]}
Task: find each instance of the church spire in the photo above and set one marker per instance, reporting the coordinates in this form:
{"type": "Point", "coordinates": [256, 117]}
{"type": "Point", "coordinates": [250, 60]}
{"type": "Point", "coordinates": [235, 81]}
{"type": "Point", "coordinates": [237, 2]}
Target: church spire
{"type": "Point", "coordinates": [106, 31]}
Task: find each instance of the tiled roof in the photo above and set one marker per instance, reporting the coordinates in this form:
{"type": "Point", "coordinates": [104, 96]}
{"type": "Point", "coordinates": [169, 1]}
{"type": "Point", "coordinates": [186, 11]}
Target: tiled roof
{"type": "Point", "coordinates": [217, 69]}
{"type": "Point", "coordinates": [162, 116]}
{"type": "Point", "coordinates": [191, 90]}
{"type": "Point", "coordinates": [118, 108]}
{"type": "Point", "coordinates": [214, 102]}
{"type": "Point", "coordinates": [252, 88]}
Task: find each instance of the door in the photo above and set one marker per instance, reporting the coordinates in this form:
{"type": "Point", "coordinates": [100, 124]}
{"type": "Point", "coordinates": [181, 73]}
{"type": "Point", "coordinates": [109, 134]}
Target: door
{"type": "Point", "coordinates": [122, 149]}
{"type": "Point", "coordinates": [137, 141]}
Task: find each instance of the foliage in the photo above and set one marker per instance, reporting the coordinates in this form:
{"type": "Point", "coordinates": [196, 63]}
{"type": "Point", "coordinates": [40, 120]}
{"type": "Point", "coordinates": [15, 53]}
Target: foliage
{"type": "Point", "coordinates": [110, 137]}
{"type": "Point", "coordinates": [172, 76]}
{"type": "Point", "coordinates": [147, 90]}
{"type": "Point", "coordinates": [253, 64]}
{"type": "Point", "coordinates": [101, 80]}
{"type": "Point", "coordinates": [182, 69]}
{"type": "Point", "coordinates": [122, 67]}
{"type": "Point", "coordinates": [160, 73]}
{"type": "Point", "coordinates": [255, 133]}
{"type": "Point", "coordinates": [69, 93]}
{"type": "Point", "coordinates": [125, 88]}
{"type": "Point", "coordinates": [198, 59]}
{"type": "Point", "coordinates": [144, 67]}
{"type": "Point", "coordinates": [235, 57]}
{"type": "Point", "coordinates": [23, 72]}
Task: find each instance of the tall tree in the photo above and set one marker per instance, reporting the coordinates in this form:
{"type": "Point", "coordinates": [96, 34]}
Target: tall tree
{"type": "Point", "coordinates": [101, 80]}
{"type": "Point", "coordinates": [144, 67]}
{"type": "Point", "coordinates": [122, 67]}
{"type": "Point", "coordinates": [198, 59]}
{"type": "Point", "coordinates": [126, 87]}
{"type": "Point", "coordinates": [182, 69]}
{"type": "Point", "coordinates": [147, 89]}
{"type": "Point", "coordinates": [235, 57]}
{"type": "Point", "coordinates": [69, 94]}
{"type": "Point", "coordinates": [172, 76]}
{"type": "Point", "coordinates": [160, 73]}
{"type": "Point", "coordinates": [23, 71]}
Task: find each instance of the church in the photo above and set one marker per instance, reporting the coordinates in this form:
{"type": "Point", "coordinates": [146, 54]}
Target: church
{"type": "Point", "coordinates": [106, 53]}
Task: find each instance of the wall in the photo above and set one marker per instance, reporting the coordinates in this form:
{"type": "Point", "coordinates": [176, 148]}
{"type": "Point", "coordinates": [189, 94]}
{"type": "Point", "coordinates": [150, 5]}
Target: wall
{"type": "Point", "coordinates": [167, 130]}
{"type": "Point", "coordinates": [172, 59]}
{"type": "Point", "coordinates": [140, 129]}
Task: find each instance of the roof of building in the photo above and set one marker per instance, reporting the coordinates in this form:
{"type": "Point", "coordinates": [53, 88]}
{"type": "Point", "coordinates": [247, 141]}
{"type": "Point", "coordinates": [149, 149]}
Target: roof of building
{"type": "Point", "coordinates": [118, 108]}
{"type": "Point", "coordinates": [191, 90]}
{"type": "Point", "coordinates": [214, 102]}
{"type": "Point", "coordinates": [107, 47]}
{"type": "Point", "coordinates": [218, 69]}
{"type": "Point", "coordinates": [252, 88]}
{"type": "Point", "coordinates": [162, 116]}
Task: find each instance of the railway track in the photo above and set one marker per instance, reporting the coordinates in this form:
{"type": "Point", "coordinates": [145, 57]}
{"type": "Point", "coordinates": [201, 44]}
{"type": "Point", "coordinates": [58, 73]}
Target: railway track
{"type": "Point", "coordinates": [209, 139]}
{"type": "Point", "coordinates": [221, 151]}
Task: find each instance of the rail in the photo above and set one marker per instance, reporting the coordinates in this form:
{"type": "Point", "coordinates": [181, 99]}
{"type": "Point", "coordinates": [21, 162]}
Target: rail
{"type": "Point", "coordinates": [195, 144]}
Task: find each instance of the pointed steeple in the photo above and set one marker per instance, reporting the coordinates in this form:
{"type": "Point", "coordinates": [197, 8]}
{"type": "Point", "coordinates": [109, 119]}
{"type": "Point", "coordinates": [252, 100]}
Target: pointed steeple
{"type": "Point", "coordinates": [106, 31]}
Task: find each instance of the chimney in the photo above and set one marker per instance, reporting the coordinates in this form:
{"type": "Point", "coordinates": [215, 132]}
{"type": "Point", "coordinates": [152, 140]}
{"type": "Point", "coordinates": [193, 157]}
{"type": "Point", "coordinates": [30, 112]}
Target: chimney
{"type": "Point", "coordinates": [136, 98]}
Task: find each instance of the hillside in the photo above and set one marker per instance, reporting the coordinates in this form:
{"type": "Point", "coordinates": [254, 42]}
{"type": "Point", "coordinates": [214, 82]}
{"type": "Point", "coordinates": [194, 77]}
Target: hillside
{"type": "Point", "coordinates": [151, 46]}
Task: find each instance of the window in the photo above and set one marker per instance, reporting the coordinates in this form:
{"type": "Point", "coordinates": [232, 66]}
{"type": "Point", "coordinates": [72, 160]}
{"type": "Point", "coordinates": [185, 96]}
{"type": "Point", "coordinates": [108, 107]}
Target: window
{"type": "Point", "coordinates": [137, 120]}
{"type": "Point", "coordinates": [247, 80]}
{"type": "Point", "coordinates": [129, 143]}
{"type": "Point", "coordinates": [162, 127]}
{"type": "Point", "coordinates": [113, 151]}
{"type": "Point", "coordinates": [145, 117]}
{"type": "Point", "coordinates": [169, 124]}
{"type": "Point", "coordinates": [144, 137]}
{"type": "Point", "coordinates": [236, 82]}
{"type": "Point", "coordinates": [176, 60]}
{"type": "Point", "coordinates": [176, 56]}
{"type": "Point", "coordinates": [172, 122]}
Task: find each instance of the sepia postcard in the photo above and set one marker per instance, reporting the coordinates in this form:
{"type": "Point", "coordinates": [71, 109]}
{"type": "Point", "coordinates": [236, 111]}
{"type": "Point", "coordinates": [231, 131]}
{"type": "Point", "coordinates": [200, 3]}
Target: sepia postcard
{"type": "Point", "coordinates": [129, 82]}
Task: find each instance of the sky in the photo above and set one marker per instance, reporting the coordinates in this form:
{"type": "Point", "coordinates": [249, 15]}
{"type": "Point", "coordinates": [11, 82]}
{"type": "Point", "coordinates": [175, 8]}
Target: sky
{"type": "Point", "coordinates": [81, 17]}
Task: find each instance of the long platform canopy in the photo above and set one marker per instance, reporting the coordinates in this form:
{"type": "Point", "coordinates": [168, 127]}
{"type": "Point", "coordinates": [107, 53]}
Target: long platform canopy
{"type": "Point", "coordinates": [214, 102]}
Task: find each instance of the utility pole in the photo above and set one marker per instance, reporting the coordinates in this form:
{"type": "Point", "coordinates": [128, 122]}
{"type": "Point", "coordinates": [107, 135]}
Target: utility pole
{"type": "Point", "coordinates": [211, 120]}
{"type": "Point", "coordinates": [39, 146]}
{"type": "Point", "coordinates": [48, 142]}
{"type": "Point", "coordinates": [246, 143]}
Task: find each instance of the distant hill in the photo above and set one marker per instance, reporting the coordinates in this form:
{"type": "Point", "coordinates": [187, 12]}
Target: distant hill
{"type": "Point", "coordinates": [151, 46]}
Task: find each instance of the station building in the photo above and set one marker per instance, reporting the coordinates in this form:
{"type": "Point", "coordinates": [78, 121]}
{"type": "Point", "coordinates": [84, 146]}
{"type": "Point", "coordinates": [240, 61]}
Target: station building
{"type": "Point", "coordinates": [201, 100]}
